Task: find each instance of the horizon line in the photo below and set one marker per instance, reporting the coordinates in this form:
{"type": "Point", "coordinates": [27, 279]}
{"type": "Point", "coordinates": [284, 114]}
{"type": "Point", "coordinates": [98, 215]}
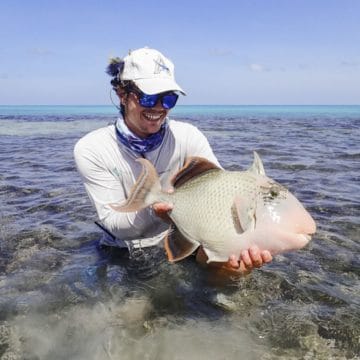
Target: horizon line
{"type": "Point", "coordinates": [110, 105]}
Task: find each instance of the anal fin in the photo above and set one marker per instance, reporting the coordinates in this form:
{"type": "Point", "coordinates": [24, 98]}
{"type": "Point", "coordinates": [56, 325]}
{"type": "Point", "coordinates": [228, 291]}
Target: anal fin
{"type": "Point", "coordinates": [177, 246]}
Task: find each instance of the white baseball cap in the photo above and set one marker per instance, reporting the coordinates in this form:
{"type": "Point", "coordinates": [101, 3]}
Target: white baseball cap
{"type": "Point", "coordinates": [150, 70]}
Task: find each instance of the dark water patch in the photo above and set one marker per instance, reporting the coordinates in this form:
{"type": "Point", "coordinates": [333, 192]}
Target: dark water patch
{"type": "Point", "coordinates": [9, 178]}
{"type": "Point", "coordinates": [36, 258]}
{"type": "Point", "coordinates": [48, 208]}
{"type": "Point", "coordinates": [38, 166]}
{"type": "Point", "coordinates": [64, 169]}
{"type": "Point", "coordinates": [43, 237]}
{"type": "Point", "coordinates": [289, 167]}
{"type": "Point", "coordinates": [337, 260]}
{"type": "Point", "coordinates": [328, 293]}
{"type": "Point", "coordinates": [344, 328]}
{"type": "Point", "coordinates": [296, 334]}
{"type": "Point", "coordinates": [289, 327]}
{"type": "Point", "coordinates": [51, 138]}
{"type": "Point", "coordinates": [349, 156]}
{"type": "Point", "coordinates": [19, 191]}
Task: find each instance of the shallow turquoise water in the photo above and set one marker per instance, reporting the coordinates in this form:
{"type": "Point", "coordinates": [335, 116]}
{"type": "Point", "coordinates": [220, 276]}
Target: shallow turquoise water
{"type": "Point", "coordinates": [189, 110]}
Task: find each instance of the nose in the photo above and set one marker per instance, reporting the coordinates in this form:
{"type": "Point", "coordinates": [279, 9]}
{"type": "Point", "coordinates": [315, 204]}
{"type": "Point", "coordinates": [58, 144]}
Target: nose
{"type": "Point", "coordinates": [158, 105]}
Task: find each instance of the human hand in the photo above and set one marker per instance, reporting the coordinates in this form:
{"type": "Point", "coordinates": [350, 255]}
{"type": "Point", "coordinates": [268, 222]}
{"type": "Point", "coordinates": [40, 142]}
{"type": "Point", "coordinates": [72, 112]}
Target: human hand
{"type": "Point", "coordinates": [162, 211]}
{"type": "Point", "coordinates": [238, 265]}
{"type": "Point", "coordinates": [249, 259]}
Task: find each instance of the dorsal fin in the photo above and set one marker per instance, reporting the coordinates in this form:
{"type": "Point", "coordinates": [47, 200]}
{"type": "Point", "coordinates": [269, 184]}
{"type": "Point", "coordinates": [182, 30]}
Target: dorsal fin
{"type": "Point", "coordinates": [194, 166]}
{"type": "Point", "coordinates": [257, 167]}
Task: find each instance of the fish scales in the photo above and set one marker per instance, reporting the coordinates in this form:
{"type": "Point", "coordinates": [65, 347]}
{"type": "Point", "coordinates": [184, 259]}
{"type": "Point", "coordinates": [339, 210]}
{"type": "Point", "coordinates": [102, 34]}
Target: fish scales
{"type": "Point", "coordinates": [203, 205]}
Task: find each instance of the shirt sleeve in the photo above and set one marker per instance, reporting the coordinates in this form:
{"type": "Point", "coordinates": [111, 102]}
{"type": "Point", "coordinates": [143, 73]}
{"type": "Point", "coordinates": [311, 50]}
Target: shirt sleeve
{"type": "Point", "coordinates": [104, 188]}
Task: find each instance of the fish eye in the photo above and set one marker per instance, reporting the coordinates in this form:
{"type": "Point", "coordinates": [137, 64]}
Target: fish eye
{"type": "Point", "coordinates": [274, 192]}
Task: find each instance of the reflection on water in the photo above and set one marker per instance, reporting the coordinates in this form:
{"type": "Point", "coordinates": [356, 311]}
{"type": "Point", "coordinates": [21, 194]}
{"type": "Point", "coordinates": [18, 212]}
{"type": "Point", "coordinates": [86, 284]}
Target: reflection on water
{"type": "Point", "coordinates": [61, 297]}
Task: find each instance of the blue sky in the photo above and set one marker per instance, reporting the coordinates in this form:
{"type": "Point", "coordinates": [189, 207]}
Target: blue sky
{"type": "Point", "coordinates": [225, 52]}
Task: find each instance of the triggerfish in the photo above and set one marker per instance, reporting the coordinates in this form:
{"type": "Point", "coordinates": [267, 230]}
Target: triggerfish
{"type": "Point", "coordinates": [223, 211]}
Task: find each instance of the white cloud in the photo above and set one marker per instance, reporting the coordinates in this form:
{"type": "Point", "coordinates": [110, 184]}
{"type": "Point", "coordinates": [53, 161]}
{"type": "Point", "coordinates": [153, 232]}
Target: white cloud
{"type": "Point", "coordinates": [350, 63]}
{"type": "Point", "coordinates": [257, 67]}
{"type": "Point", "coordinates": [303, 66]}
{"type": "Point", "coordinates": [220, 52]}
{"type": "Point", "coordinates": [40, 51]}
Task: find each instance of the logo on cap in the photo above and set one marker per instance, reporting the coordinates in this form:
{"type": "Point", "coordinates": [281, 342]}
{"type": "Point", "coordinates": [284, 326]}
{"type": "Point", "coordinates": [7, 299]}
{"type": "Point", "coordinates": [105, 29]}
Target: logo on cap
{"type": "Point", "coordinates": [160, 66]}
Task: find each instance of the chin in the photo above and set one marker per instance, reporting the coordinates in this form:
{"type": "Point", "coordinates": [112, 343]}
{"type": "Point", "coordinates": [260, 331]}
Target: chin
{"type": "Point", "coordinates": [154, 128]}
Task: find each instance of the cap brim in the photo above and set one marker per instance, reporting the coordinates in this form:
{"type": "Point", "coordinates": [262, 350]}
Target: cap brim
{"type": "Point", "coordinates": [157, 86]}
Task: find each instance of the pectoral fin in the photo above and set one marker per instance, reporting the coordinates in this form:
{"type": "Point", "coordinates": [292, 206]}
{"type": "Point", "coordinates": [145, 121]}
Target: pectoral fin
{"type": "Point", "coordinates": [177, 246]}
{"type": "Point", "coordinates": [243, 215]}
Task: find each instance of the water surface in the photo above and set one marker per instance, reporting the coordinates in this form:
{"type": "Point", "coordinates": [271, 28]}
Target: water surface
{"type": "Point", "coordinates": [62, 298]}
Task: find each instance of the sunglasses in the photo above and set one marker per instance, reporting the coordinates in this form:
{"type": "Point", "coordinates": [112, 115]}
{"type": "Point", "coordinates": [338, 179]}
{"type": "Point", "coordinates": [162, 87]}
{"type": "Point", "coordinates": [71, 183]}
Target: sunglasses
{"type": "Point", "coordinates": [168, 99]}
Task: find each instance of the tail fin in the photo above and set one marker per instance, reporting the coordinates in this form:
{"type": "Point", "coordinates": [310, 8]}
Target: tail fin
{"type": "Point", "coordinates": [142, 194]}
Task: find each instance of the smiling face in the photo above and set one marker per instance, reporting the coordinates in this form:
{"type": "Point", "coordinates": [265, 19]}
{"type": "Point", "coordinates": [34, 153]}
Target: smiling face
{"type": "Point", "coordinates": [140, 120]}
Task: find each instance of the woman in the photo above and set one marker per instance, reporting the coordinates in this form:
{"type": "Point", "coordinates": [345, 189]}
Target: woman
{"type": "Point", "coordinates": [106, 158]}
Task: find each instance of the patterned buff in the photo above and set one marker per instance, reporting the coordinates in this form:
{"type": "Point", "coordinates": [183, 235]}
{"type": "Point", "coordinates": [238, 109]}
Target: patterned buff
{"type": "Point", "coordinates": [133, 142]}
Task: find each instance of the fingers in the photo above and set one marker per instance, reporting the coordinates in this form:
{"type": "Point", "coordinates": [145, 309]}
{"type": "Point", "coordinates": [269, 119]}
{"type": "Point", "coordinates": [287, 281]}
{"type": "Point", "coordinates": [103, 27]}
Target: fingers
{"type": "Point", "coordinates": [162, 207]}
{"type": "Point", "coordinates": [161, 210]}
{"type": "Point", "coordinates": [238, 266]}
{"type": "Point", "coordinates": [266, 256]}
{"type": "Point", "coordinates": [235, 267]}
{"type": "Point", "coordinates": [248, 260]}
{"type": "Point", "coordinates": [253, 258]}
{"type": "Point", "coordinates": [233, 262]}
{"type": "Point", "coordinates": [245, 259]}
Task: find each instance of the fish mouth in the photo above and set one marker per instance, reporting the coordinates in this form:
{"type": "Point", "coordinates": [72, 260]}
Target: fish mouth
{"type": "Point", "coordinates": [305, 238]}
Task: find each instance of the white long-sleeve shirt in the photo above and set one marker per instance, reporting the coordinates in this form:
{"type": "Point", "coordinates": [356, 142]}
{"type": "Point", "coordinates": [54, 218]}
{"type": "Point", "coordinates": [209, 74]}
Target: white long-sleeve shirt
{"type": "Point", "coordinates": [109, 171]}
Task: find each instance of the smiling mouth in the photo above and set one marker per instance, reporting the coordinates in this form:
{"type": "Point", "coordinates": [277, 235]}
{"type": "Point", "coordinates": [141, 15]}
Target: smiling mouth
{"type": "Point", "coordinates": [153, 116]}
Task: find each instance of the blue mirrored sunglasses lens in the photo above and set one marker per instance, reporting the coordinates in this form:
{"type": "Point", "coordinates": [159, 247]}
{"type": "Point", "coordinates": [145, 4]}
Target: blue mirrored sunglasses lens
{"type": "Point", "coordinates": [169, 101]}
{"type": "Point", "coordinates": [148, 100]}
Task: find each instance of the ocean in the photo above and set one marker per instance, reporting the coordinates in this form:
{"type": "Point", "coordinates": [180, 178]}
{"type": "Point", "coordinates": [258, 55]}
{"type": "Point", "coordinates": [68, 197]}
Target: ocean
{"type": "Point", "coordinates": [63, 298]}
